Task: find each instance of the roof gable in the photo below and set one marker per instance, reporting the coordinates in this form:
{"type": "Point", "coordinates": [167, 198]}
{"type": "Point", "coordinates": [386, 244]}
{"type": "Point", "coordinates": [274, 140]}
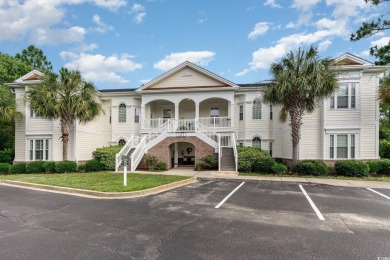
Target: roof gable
{"type": "Point", "coordinates": [33, 75]}
{"type": "Point", "coordinates": [349, 59]}
{"type": "Point", "coordinates": [187, 76]}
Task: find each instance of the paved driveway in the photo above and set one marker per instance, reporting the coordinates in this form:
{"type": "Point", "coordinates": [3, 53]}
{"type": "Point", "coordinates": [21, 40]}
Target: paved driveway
{"type": "Point", "coordinates": [258, 221]}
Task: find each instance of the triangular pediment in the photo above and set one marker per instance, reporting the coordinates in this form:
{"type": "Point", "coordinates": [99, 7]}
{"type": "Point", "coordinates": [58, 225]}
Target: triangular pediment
{"type": "Point", "coordinates": [187, 76]}
{"type": "Point", "coordinates": [349, 59]}
{"type": "Point", "coordinates": [34, 75]}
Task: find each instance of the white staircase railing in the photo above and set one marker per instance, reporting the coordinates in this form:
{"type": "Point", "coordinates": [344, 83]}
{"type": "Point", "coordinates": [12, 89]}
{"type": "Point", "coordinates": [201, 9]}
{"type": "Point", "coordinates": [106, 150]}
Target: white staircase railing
{"type": "Point", "coordinates": [139, 152]}
{"type": "Point", "coordinates": [207, 132]}
{"type": "Point", "coordinates": [130, 144]}
{"type": "Point", "coordinates": [234, 146]}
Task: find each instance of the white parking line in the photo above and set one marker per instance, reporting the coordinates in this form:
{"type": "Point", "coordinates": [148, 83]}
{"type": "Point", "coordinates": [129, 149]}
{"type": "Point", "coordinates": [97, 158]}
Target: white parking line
{"type": "Point", "coordinates": [383, 195]}
{"type": "Point", "coordinates": [319, 215]}
{"type": "Point", "coordinates": [228, 196]}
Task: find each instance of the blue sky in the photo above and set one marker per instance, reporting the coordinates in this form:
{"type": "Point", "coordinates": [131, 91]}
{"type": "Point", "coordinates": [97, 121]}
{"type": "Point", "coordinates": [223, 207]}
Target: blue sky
{"type": "Point", "coordinates": [122, 44]}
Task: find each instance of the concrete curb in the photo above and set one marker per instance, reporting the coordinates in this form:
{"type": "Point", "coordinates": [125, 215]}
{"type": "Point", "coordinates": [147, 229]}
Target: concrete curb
{"type": "Point", "coordinates": [99, 194]}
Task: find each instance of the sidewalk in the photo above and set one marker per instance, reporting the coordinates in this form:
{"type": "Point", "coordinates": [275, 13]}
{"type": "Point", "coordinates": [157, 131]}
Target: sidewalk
{"type": "Point", "coordinates": [214, 175]}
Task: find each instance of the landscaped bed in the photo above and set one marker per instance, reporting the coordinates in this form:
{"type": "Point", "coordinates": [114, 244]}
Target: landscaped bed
{"type": "Point", "coordinates": [97, 181]}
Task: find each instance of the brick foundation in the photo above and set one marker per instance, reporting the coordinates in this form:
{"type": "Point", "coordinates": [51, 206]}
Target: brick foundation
{"type": "Point", "coordinates": [163, 152]}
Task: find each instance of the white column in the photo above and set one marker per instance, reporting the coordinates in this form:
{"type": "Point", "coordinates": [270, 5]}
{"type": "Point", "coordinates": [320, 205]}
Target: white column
{"type": "Point", "coordinates": [231, 114]}
{"type": "Point", "coordinates": [176, 158]}
{"type": "Point", "coordinates": [197, 111]}
{"type": "Point", "coordinates": [176, 111]}
{"type": "Point", "coordinates": [142, 116]}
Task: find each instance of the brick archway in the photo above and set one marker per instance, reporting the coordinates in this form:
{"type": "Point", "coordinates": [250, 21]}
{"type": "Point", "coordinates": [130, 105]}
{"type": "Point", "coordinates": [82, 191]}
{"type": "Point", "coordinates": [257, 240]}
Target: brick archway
{"type": "Point", "coordinates": [163, 152]}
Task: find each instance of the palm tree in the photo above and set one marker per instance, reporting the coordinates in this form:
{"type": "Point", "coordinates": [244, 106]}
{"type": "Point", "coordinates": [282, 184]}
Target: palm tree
{"type": "Point", "coordinates": [66, 97]}
{"type": "Point", "coordinates": [8, 110]}
{"type": "Point", "coordinates": [300, 81]}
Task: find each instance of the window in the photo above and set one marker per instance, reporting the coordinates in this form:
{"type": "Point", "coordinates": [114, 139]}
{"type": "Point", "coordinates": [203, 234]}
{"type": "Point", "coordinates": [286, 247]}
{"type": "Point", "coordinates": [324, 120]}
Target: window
{"type": "Point", "coordinates": [136, 115]}
{"type": "Point", "coordinates": [122, 113]}
{"type": "Point", "coordinates": [39, 149]}
{"type": "Point", "coordinates": [122, 142]}
{"type": "Point", "coordinates": [241, 144]}
{"type": "Point", "coordinates": [167, 113]}
{"type": "Point", "coordinates": [342, 146]}
{"type": "Point", "coordinates": [256, 109]}
{"type": "Point", "coordinates": [270, 112]}
{"type": "Point", "coordinates": [32, 113]}
{"type": "Point", "coordinates": [256, 142]}
{"type": "Point", "coordinates": [345, 97]}
{"type": "Point", "coordinates": [214, 114]}
{"type": "Point", "coordinates": [241, 112]}
{"type": "Point", "coordinates": [270, 148]}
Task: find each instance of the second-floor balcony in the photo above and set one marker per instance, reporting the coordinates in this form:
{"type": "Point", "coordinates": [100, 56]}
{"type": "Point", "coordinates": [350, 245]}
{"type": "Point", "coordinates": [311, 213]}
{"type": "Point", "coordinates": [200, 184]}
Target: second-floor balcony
{"type": "Point", "coordinates": [188, 125]}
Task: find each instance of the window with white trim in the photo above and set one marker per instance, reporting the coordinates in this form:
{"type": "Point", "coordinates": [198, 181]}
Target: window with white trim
{"type": "Point", "coordinates": [256, 109]}
{"type": "Point", "coordinates": [256, 142]}
{"type": "Point", "coordinates": [270, 148]}
{"type": "Point", "coordinates": [345, 97]}
{"type": "Point", "coordinates": [122, 113]}
{"type": "Point", "coordinates": [271, 112]}
{"type": "Point", "coordinates": [122, 142]}
{"type": "Point", "coordinates": [136, 115]}
{"type": "Point", "coordinates": [241, 115]}
{"type": "Point", "coordinates": [342, 146]}
{"type": "Point", "coordinates": [39, 149]}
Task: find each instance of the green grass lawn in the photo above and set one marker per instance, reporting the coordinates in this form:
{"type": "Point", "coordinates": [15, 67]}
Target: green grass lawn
{"type": "Point", "coordinates": [99, 181]}
{"type": "Point", "coordinates": [368, 178]}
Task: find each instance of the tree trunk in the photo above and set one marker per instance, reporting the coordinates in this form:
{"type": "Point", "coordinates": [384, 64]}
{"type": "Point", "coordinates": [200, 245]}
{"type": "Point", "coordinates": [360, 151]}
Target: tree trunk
{"type": "Point", "coordinates": [296, 113]}
{"type": "Point", "coordinates": [65, 129]}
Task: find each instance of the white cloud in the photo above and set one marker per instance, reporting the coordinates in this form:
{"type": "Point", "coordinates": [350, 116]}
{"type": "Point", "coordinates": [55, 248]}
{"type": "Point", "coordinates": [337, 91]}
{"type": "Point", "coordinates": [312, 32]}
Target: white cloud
{"type": "Point", "coordinates": [201, 58]}
{"type": "Point", "coordinates": [144, 81]}
{"type": "Point", "coordinates": [291, 25]}
{"type": "Point", "coordinates": [57, 36]}
{"type": "Point", "coordinates": [138, 12]}
{"type": "Point", "coordinates": [346, 8]}
{"type": "Point", "coordinates": [101, 26]}
{"type": "Point", "coordinates": [272, 3]}
{"type": "Point", "coordinates": [381, 42]}
{"type": "Point", "coordinates": [305, 5]}
{"type": "Point", "coordinates": [22, 19]}
{"type": "Point", "coordinates": [365, 53]}
{"type": "Point", "coordinates": [259, 29]}
{"type": "Point", "coordinates": [323, 46]}
{"type": "Point", "coordinates": [99, 68]}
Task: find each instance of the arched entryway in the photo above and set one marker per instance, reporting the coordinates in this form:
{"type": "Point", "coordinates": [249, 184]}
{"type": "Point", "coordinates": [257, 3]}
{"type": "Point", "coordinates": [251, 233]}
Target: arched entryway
{"type": "Point", "coordinates": [185, 154]}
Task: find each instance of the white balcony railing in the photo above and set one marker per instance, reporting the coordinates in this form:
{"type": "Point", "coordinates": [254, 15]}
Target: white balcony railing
{"type": "Point", "coordinates": [189, 124]}
{"type": "Point", "coordinates": [216, 122]}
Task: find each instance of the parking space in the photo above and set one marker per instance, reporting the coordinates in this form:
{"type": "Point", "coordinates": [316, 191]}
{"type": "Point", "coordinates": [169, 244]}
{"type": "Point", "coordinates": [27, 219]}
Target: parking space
{"type": "Point", "coordinates": [257, 221]}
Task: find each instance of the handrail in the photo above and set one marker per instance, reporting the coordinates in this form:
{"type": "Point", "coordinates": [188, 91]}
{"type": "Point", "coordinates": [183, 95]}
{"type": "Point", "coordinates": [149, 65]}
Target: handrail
{"type": "Point", "coordinates": [219, 152]}
{"type": "Point", "coordinates": [216, 122]}
{"type": "Point", "coordinates": [234, 146]}
{"type": "Point", "coordinates": [125, 150]}
{"type": "Point", "coordinates": [207, 132]}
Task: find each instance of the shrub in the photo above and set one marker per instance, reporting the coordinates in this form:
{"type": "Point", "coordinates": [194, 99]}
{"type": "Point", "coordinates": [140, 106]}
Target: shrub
{"type": "Point", "coordinates": [93, 166]}
{"type": "Point", "coordinates": [311, 167]}
{"type": "Point", "coordinates": [18, 168]}
{"type": "Point", "coordinates": [384, 149]}
{"type": "Point", "coordinates": [265, 164]}
{"type": "Point", "coordinates": [150, 168]}
{"type": "Point", "coordinates": [373, 167]}
{"type": "Point", "coordinates": [4, 168]}
{"type": "Point", "coordinates": [244, 166]}
{"type": "Point", "coordinates": [161, 166]}
{"type": "Point", "coordinates": [210, 162]}
{"type": "Point", "coordinates": [106, 156]}
{"type": "Point", "coordinates": [66, 166]}
{"type": "Point", "coordinates": [35, 167]}
{"type": "Point", "coordinates": [200, 166]}
{"type": "Point", "coordinates": [7, 156]}
{"type": "Point", "coordinates": [50, 167]}
{"type": "Point", "coordinates": [279, 168]}
{"type": "Point", "coordinates": [331, 169]}
{"type": "Point", "coordinates": [150, 161]}
{"type": "Point", "coordinates": [384, 167]}
{"type": "Point", "coordinates": [351, 168]}
{"type": "Point", "coordinates": [278, 160]}
{"type": "Point", "coordinates": [81, 167]}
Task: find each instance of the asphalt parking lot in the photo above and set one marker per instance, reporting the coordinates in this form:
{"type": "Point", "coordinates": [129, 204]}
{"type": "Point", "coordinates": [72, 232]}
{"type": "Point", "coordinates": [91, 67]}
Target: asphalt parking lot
{"type": "Point", "coordinates": [204, 220]}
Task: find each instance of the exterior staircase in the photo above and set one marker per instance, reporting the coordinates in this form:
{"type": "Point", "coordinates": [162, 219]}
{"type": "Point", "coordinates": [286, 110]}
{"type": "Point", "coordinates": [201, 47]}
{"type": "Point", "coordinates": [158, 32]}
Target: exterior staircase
{"type": "Point", "coordinates": [227, 159]}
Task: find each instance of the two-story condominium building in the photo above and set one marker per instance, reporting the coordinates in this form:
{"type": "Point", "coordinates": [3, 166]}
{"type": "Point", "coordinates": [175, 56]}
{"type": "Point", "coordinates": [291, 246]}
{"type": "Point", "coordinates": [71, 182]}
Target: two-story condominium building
{"type": "Point", "coordinates": [190, 112]}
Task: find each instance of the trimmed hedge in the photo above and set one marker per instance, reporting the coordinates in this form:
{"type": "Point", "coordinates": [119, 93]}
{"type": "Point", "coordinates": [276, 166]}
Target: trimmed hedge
{"type": "Point", "coordinates": [373, 166]}
{"type": "Point", "coordinates": [93, 166]}
{"type": "Point", "coordinates": [81, 167]}
{"type": "Point", "coordinates": [18, 168]}
{"type": "Point", "coordinates": [279, 168]}
{"type": "Point", "coordinates": [35, 167]}
{"type": "Point", "coordinates": [210, 162]}
{"type": "Point", "coordinates": [150, 162]}
{"type": "Point", "coordinates": [351, 168]}
{"type": "Point", "coordinates": [4, 168]}
{"type": "Point", "coordinates": [311, 167]}
{"type": "Point", "coordinates": [106, 156]}
{"type": "Point", "coordinates": [244, 166]}
{"type": "Point", "coordinates": [252, 159]}
{"type": "Point", "coordinates": [161, 166]}
{"type": "Point", "coordinates": [384, 167]}
{"type": "Point", "coordinates": [200, 166]}
{"type": "Point", "coordinates": [50, 167]}
{"type": "Point", "coordinates": [264, 165]}
{"type": "Point", "coordinates": [7, 156]}
{"type": "Point", "coordinates": [66, 166]}
{"type": "Point", "coordinates": [384, 149]}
